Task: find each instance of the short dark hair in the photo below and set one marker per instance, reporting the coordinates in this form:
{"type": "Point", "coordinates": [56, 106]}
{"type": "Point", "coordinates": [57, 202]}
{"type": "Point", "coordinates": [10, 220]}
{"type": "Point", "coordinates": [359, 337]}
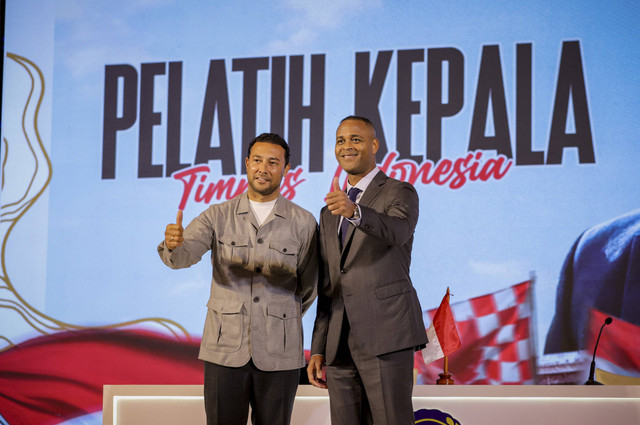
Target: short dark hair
{"type": "Point", "coordinates": [361, 119]}
{"type": "Point", "coordinates": [274, 139]}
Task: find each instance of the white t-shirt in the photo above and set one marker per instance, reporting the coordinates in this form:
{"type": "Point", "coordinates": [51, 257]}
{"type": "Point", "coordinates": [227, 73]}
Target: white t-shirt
{"type": "Point", "coordinates": [262, 209]}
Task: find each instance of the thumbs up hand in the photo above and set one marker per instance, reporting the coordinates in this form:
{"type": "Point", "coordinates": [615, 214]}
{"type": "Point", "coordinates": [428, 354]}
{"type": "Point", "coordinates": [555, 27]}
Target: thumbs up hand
{"type": "Point", "coordinates": [173, 234]}
{"type": "Point", "coordinates": [338, 201]}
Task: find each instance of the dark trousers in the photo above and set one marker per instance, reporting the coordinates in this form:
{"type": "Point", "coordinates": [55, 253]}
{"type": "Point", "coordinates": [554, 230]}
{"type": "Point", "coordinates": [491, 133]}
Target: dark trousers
{"type": "Point", "coordinates": [364, 389]}
{"type": "Point", "coordinates": [229, 391]}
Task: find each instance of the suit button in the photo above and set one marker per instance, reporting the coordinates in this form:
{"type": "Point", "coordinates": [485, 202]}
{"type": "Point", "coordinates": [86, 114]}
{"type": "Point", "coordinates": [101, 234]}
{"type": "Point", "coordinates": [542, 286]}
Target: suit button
{"type": "Point", "coordinates": [284, 249]}
{"type": "Point", "coordinates": [233, 243]}
{"type": "Point", "coordinates": [256, 299]}
{"type": "Point", "coordinates": [258, 270]}
{"type": "Point", "coordinates": [260, 240]}
{"type": "Point", "coordinates": [343, 271]}
{"type": "Point", "coordinates": [284, 316]}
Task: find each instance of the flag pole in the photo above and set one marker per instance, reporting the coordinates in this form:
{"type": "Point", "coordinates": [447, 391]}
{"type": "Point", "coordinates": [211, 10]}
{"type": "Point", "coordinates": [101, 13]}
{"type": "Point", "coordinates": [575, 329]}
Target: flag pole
{"type": "Point", "coordinates": [533, 332]}
{"type": "Point", "coordinates": [445, 376]}
{"type": "Point", "coordinates": [443, 339]}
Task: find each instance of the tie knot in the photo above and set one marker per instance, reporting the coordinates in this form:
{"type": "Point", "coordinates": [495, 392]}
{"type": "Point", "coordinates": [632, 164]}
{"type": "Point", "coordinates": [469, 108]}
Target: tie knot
{"type": "Point", "coordinates": [353, 193]}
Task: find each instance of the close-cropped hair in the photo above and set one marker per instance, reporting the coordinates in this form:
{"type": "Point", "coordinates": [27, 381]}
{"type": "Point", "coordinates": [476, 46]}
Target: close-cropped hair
{"type": "Point", "coordinates": [361, 119]}
{"type": "Point", "coordinates": [274, 139]}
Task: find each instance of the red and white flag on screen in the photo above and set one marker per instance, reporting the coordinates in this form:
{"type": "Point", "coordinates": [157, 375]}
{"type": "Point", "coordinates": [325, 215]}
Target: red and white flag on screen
{"type": "Point", "coordinates": [442, 333]}
{"type": "Point", "coordinates": [497, 345]}
{"type": "Point", "coordinates": [619, 347]}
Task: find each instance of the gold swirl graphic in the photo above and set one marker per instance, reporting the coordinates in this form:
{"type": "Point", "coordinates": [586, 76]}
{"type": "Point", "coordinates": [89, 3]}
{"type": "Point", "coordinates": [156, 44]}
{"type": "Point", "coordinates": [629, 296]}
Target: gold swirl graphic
{"type": "Point", "coordinates": [12, 212]}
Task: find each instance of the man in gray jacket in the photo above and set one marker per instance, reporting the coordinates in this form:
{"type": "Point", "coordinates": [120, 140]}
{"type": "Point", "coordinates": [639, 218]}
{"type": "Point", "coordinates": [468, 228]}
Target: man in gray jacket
{"type": "Point", "coordinates": [263, 252]}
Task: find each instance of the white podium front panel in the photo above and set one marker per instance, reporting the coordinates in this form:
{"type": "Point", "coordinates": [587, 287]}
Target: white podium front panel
{"type": "Point", "coordinates": [476, 404]}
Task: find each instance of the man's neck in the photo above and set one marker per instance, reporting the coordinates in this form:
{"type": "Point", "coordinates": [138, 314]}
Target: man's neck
{"type": "Point", "coordinates": [355, 178]}
{"type": "Point", "coordinates": [257, 197]}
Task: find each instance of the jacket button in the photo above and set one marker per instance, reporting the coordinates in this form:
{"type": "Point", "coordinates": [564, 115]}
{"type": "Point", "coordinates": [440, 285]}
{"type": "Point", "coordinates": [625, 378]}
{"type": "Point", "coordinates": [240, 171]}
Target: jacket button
{"type": "Point", "coordinates": [284, 316]}
{"type": "Point", "coordinates": [256, 299]}
{"type": "Point", "coordinates": [233, 243]}
{"type": "Point", "coordinates": [260, 240]}
{"type": "Point", "coordinates": [284, 249]}
{"type": "Point", "coordinates": [258, 270]}
{"type": "Point", "coordinates": [343, 271]}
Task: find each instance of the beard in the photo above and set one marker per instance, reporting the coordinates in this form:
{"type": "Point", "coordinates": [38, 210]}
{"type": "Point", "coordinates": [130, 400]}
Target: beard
{"type": "Point", "coordinates": [264, 190]}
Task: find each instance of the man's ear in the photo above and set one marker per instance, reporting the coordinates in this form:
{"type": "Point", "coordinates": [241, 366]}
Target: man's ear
{"type": "Point", "coordinates": [376, 145]}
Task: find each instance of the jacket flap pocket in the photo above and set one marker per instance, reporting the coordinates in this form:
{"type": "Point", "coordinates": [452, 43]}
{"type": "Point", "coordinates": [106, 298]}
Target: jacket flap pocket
{"type": "Point", "coordinates": [393, 288]}
{"type": "Point", "coordinates": [283, 311]}
{"type": "Point", "coordinates": [284, 247]}
{"type": "Point", "coordinates": [234, 240]}
{"type": "Point", "coordinates": [225, 306]}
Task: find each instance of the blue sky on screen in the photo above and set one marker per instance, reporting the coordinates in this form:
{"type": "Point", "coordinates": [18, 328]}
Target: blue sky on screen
{"type": "Point", "coordinates": [100, 264]}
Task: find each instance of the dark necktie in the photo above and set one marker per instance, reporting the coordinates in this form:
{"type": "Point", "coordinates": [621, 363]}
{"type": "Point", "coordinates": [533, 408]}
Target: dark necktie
{"type": "Point", "coordinates": [353, 194]}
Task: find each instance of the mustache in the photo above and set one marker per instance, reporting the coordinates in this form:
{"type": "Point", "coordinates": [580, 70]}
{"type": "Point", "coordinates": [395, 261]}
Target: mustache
{"type": "Point", "coordinates": [348, 152]}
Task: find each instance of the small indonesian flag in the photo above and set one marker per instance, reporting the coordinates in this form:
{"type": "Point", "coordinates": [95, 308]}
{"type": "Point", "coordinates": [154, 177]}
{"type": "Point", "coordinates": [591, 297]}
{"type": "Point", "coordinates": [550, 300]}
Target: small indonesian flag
{"type": "Point", "coordinates": [442, 333]}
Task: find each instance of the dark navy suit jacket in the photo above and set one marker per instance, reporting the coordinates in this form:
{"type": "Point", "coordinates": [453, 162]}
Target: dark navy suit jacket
{"type": "Point", "coordinates": [601, 271]}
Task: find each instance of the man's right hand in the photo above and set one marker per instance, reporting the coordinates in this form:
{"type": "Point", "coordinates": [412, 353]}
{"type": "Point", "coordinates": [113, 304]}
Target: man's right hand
{"type": "Point", "coordinates": [173, 235]}
{"type": "Point", "coordinates": [314, 371]}
{"type": "Point", "coordinates": [338, 201]}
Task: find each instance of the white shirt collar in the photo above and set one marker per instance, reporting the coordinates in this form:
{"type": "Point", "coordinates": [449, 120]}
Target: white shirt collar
{"type": "Point", "coordinates": [364, 182]}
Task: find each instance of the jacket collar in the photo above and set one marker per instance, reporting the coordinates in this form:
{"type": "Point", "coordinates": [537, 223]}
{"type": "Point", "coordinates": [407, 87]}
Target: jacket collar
{"type": "Point", "coordinates": [244, 208]}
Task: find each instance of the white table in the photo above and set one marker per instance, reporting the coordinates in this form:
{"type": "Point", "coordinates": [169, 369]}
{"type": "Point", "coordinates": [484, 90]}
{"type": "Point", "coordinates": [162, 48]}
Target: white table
{"type": "Point", "coordinates": [472, 404]}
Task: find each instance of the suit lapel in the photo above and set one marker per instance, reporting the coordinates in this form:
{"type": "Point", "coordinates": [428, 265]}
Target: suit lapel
{"type": "Point", "coordinates": [373, 189]}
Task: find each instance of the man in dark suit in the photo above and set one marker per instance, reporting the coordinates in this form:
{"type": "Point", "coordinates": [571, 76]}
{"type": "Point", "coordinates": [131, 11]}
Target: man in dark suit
{"type": "Point", "coordinates": [369, 320]}
{"type": "Point", "coordinates": [601, 271]}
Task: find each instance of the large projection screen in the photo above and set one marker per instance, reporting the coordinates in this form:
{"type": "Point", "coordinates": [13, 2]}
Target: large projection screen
{"type": "Point", "coordinates": [517, 123]}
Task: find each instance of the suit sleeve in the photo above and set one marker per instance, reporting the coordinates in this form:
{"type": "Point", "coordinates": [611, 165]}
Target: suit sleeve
{"type": "Point", "coordinates": [396, 224]}
{"type": "Point", "coordinates": [308, 267]}
{"type": "Point", "coordinates": [323, 307]}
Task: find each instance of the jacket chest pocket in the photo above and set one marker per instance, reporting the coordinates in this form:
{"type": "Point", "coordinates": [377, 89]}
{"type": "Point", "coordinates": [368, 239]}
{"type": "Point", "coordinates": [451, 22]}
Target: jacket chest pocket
{"type": "Point", "coordinates": [233, 250]}
{"type": "Point", "coordinates": [283, 257]}
{"type": "Point", "coordinates": [284, 335]}
{"type": "Point", "coordinates": [225, 323]}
